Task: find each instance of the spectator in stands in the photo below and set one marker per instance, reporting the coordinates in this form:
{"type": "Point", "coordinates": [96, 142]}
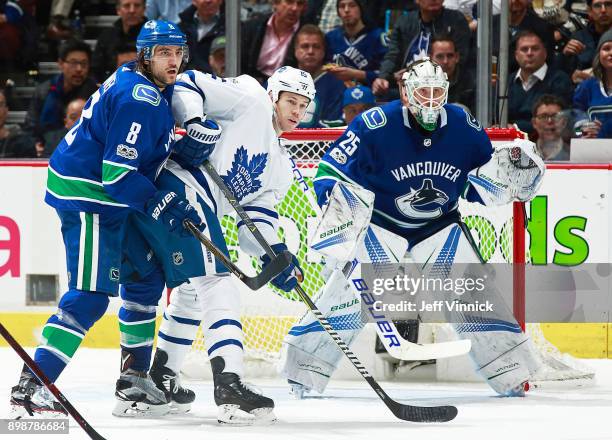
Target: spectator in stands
{"type": "Point", "coordinates": [549, 123]}
{"type": "Point", "coordinates": [323, 13]}
{"type": "Point", "coordinates": [249, 9]}
{"type": "Point", "coordinates": [167, 10]}
{"type": "Point", "coordinates": [462, 86]}
{"type": "Point", "coordinates": [51, 97]}
{"type": "Point", "coordinates": [594, 95]}
{"type": "Point", "coordinates": [326, 109]}
{"type": "Point", "coordinates": [11, 33]}
{"type": "Point", "coordinates": [267, 40]}
{"type": "Point", "coordinates": [125, 54]}
{"type": "Point", "coordinates": [522, 17]}
{"type": "Point", "coordinates": [59, 27]}
{"type": "Point", "coordinates": [202, 22]}
{"type": "Point", "coordinates": [385, 13]}
{"type": "Point", "coordinates": [14, 142]}
{"type": "Point", "coordinates": [355, 48]}
{"type": "Point", "coordinates": [216, 59]}
{"type": "Point", "coordinates": [606, 130]}
{"type": "Point", "coordinates": [52, 138]}
{"type": "Point", "coordinates": [581, 48]}
{"type": "Point", "coordinates": [125, 30]}
{"type": "Point", "coordinates": [411, 39]}
{"type": "Point", "coordinates": [533, 78]}
{"type": "Point", "coordinates": [356, 100]}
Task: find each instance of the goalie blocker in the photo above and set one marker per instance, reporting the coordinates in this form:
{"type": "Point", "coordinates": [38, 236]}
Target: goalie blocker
{"type": "Point", "coordinates": [502, 353]}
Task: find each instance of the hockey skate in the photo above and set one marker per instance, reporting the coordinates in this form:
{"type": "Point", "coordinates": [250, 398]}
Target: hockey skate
{"type": "Point", "coordinates": [178, 398]}
{"type": "Point", "coordinates": [137, 395]}
{"type": "Point", "coordinates": [32, 399]}
{"type": "Point", "coordinates": [239, 404]}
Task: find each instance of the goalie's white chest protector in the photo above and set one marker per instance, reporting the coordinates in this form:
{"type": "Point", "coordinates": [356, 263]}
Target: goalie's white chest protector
{"type": "Point", "coordinates": [248, 155]}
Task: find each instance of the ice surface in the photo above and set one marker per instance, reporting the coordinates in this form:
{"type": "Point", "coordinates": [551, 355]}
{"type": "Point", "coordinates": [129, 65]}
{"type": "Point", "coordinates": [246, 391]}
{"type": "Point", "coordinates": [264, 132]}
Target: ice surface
{"type": "Point", "coordinates": [348, 410]}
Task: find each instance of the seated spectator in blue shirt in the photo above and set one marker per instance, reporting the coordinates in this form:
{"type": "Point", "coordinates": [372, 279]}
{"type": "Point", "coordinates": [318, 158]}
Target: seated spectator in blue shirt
{"type": "Point", "coordinates": [52, 138]}
{"type": "Point", "coordinates": [167, 10]}
{"type": "Point", "coordinates": [46, 109]}
{"type": "Point", "coordinates": [355, 48]}
{"type": "Point", "coordinates": [594, 95]}
{"type": "Point", "coordinates": [326, 109]}
{"type": "Point", "coordinates": [202, 22]}
{"type": "Point", "coordinates": [533, 79]}
{"type": "Point", "coordinates": [356, 100]}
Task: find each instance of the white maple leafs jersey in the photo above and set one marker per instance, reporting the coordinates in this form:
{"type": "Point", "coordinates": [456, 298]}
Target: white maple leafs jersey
{"type": "Point", "coordinates": [248, 155]}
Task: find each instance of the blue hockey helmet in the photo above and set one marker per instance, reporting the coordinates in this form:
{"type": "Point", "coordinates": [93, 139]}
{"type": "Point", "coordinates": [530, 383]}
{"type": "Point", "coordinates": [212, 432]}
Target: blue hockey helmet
{"type": "Point", "coordinates": [160, 33]}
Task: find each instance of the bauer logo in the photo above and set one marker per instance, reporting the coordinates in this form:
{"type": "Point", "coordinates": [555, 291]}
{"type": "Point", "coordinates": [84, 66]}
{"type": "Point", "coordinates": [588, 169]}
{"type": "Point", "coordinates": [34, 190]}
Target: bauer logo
{"type": "Point", "coordinates": [129, 153]}
{"type": "Point", "coordinates": [143, 92]}
{"type": "Point", "coordinates": [336, 229]}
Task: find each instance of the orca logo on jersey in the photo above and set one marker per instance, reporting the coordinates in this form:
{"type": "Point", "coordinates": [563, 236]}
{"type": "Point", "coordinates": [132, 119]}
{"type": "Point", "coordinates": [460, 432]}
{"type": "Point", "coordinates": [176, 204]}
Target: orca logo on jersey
{"type": "Point", "coordinates": [146, 93]}
{"type": "Point", "coordinates": [472, 121]}
{"type": "Point", "coordinates": [243, 177]}
{"type": "Point", "coordinates": [424, 203]}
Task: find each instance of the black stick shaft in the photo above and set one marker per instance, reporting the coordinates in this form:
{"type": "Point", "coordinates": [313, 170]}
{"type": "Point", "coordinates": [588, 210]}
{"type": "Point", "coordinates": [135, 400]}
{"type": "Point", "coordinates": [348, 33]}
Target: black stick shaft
{"type": "Point", "coordinates": [33, 366]}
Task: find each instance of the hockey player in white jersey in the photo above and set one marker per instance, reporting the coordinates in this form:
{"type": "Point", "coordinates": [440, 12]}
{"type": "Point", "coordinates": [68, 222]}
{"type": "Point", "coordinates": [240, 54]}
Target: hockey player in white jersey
{"type": "Point", "coordinates": [253, 163]}
{"type": "Point", "coordinates": [417, 155]}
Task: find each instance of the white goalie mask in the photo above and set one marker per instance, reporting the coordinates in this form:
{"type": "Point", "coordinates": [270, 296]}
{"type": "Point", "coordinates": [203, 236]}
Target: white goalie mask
{"type": "Point", "coordinates": [426, 88]}
{"type": "Point", "coordinates": [290, 79]}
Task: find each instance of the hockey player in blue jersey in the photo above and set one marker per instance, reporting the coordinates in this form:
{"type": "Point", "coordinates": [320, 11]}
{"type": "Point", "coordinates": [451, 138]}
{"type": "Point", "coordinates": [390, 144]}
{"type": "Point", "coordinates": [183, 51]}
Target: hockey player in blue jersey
{"type": "Point", "coordinates": [354, 47]}
{"type": "Point", "coordinates": [103, 169]}
{"type": "Point", "coordinates": [418, 155]}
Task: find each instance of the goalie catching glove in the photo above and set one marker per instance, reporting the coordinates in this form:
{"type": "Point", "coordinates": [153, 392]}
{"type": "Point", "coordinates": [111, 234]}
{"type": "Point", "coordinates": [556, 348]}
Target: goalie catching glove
{"type": "Point", "coordinates": [198, 142]}
{"type": "Point", "coordinates": [514, 172]}
{"type": "Point", "coordinates": [172, 210]}
{"type": "Point", "coordinates": [288, 279]}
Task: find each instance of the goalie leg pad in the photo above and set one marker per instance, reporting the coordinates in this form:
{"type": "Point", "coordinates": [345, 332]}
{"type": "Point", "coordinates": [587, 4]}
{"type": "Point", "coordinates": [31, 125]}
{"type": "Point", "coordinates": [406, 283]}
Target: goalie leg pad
{"type": "Point", "coordinates": [309, 355]}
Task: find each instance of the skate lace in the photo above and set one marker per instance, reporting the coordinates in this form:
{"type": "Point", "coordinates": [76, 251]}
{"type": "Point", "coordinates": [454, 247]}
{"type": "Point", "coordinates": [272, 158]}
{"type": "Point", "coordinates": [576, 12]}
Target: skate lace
{"type": "Point", "coordinates": [250, 388]}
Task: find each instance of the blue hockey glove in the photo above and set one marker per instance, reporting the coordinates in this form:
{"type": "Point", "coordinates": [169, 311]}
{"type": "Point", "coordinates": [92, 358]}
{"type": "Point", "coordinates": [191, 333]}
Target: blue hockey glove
{"type": "Point", "coordinates": [199, 142]}
{"type": "Point", "coordinates": [288, 279]}
{"type": "Point", "coordinates": [170, 209]}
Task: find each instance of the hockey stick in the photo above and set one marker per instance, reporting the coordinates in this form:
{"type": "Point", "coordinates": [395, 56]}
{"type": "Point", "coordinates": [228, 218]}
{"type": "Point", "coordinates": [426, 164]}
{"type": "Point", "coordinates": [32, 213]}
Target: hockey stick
{"type": "Point", "coordinates": [33, 366]}
{"type": "Point", "coordinates": [276, 266]}
{"type": "Point", "coordinates": [406, 350]}
{"type": "Point", "coordinates": [405, 412]}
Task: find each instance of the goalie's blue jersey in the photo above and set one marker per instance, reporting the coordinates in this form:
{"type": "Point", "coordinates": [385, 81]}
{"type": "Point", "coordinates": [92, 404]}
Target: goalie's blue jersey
{"type": "Point", "coordinates": [416, 176]}
{"type": "Point", "coordinates": [111, 157]}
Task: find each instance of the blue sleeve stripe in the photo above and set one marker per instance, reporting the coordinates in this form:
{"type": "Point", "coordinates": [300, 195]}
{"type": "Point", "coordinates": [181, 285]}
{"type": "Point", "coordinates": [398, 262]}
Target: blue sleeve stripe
{"type": "Point", "coordinates": [257, 220]}
{"type": "Point", "coordinates": [197, 175]}
{"type": "Point", "coordinates": [268, 212]}
{"type": "Point", "coordinates": [174, 340]}
{"type": "Point", "coordinates": [223, 322]}
{"type": "Point", "coordinates": [223, 343]}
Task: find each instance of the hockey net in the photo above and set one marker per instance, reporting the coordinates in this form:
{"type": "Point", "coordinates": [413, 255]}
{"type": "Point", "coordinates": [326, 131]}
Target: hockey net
{"type": "Point", "coordinates": [268, 314]}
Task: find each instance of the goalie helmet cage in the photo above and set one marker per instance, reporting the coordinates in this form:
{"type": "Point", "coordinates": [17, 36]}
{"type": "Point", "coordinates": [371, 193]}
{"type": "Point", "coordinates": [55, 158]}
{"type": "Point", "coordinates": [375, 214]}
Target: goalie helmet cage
{"type": "Point", "coordinates": [268, 314]}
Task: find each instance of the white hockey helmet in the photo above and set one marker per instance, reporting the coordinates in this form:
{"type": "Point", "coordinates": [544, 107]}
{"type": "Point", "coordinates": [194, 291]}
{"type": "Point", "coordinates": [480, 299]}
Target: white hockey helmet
{"type": "Point", "coordinates": [290, 79]}
{"type": "Point", "coordinates": [426, 87]}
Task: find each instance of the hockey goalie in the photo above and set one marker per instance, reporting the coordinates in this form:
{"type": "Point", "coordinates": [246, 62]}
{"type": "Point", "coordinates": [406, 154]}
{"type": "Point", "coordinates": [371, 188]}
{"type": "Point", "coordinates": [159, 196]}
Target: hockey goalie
{"type": "Point", "coordinates": [418, 156]}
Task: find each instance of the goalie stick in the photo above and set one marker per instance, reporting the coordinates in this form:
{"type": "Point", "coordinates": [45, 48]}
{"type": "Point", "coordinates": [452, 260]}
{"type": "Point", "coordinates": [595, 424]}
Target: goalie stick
{"type": "Point", "coordinates": [405, 412]}
{"type": "Point", "coordinates": [33, 366]}
{"type": "Point", "coordinates": [406, 350]}
{"type": "Point", "coordinates": [279, 263]}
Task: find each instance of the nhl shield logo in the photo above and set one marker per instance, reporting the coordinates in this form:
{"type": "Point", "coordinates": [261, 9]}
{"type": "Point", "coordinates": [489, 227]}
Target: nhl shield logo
{"type": "Point", "coordinates": [177, 258]}
{"type": "Point", "coordinates": [427, 142]}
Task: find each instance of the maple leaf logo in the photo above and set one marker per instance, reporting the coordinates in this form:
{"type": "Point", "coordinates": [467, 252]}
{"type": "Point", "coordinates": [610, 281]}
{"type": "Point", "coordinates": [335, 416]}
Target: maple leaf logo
{"type": "Point", "coordinates": [243, 177]}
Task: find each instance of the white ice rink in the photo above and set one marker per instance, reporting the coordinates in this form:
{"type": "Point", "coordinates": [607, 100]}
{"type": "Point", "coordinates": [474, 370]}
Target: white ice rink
{"type": "Point", "coordinates": [348, 410]}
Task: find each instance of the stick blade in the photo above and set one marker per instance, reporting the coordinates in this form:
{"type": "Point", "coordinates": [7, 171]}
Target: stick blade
{"type": "Point", "coordinates": [423, 352]}
{"type": "Point", "coordinates": [425, 414]}
{"type": "Point", "coordinates": [272, 269]}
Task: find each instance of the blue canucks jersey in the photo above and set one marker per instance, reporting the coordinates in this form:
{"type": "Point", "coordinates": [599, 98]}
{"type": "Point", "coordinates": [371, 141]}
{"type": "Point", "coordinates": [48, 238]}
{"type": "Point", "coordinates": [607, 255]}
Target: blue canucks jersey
{"type": "Point", "coordinates": [111, 157]}
{"type": "Point", "coordinates": [364, 52]}
{"type": "Point", "coordinates": [417, 178]}
{"type": "Point", "coordinates": [325, 109]}
{"type": "Point", "coordinates": [592, 98]}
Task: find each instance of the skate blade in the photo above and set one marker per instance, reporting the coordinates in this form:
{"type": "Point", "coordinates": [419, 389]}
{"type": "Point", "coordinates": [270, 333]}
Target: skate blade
{"type": "Point", "coordinates": [139, 409]}
{"type": "Point", "coordinates": [18, 412]}
{"type": "Point", "coordinates": [179, 408]}
{"type": "Point", "coordinates": [233, 415]}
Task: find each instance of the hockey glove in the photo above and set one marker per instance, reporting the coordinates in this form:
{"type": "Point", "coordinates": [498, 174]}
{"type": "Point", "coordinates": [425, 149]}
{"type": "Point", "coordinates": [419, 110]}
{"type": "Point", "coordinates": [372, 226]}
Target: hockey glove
{"type": "Point", "coordinates": [197, 144]}
{"type": "Point", "coordinates": [288, 279]}
{"type": "Point", "coordinates": [170, 209]}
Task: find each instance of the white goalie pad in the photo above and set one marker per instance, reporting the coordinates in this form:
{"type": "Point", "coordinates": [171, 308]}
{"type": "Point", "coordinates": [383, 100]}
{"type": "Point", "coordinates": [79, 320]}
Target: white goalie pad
{"type": "Point", "coordinates": [514, 172]}
{"type": "Point", "coordinates": [344, 221]}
